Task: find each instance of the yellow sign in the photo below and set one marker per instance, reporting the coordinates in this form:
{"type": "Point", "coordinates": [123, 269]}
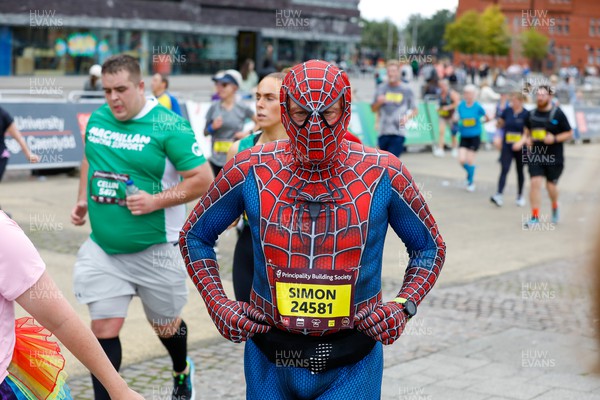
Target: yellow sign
{"type": "Point", "coordinates": [221, 147]}
{"type": "Point", "coordinates": [306, 300]}
{"type": "Point", "coordinates": [392, 97]}
{"type": "Point", "coordinates": [468, 122]}
{"type": "Point", "coordinates": [538, 134]}
{"type": "Point", "coordinates": [513, 137]}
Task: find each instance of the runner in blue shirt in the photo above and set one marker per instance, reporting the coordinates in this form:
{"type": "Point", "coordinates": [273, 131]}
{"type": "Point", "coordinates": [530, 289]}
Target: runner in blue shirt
{"type": "Point", "coordinates": [470, 113]}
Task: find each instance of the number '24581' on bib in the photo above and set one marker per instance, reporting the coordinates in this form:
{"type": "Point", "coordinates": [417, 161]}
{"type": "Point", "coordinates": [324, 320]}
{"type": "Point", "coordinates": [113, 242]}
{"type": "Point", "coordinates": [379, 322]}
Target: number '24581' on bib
{"type": "Point", "coordinates": [315, 299]}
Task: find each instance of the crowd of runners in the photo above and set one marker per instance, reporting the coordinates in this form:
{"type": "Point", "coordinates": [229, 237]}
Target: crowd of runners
{"type": "Point", "coordinates": [533, 139]}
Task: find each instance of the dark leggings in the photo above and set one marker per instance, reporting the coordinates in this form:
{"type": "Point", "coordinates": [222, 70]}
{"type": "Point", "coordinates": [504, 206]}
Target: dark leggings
{"type": "Point", "coordinates": [3, 162]}
{"type": "Point", "coordinates": [243, 266]}
{"type": "Point", "coordinates": [506, 157]}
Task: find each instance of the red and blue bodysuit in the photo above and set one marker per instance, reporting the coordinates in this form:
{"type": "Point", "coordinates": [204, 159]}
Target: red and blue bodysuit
{"type": "Point", "coordinates": [318, 208]}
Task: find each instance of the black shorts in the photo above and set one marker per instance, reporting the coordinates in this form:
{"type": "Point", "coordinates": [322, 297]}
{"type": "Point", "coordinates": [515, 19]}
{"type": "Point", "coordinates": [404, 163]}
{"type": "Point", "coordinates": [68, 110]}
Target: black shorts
{"type": "Point", "coordinates": [550, 171]}
{"type": "Point", "coordinates": [471, 143]}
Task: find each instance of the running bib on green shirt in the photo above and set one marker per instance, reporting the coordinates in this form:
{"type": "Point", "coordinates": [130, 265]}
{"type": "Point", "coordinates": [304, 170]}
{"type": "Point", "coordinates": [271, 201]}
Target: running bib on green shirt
{"type": "Point", "coordinates": [108, 188]}
{"type": "Point", "coordinates": [149, 149]}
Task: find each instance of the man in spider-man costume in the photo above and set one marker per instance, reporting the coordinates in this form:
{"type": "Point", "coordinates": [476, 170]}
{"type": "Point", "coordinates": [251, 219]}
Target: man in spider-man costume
{"type": "Point", "coordinates": [318, 207]}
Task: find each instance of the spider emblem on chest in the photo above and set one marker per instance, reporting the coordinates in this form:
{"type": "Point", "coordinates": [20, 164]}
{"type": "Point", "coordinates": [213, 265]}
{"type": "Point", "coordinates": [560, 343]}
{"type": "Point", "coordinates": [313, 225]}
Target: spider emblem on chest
{"type": "Point", "coordinates": [310, 215]}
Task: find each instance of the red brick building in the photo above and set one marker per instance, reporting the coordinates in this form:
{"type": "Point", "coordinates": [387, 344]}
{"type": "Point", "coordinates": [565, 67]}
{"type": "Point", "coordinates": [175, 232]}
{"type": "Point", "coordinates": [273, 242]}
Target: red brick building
{"type": "Point", "coordinates": [573, 27]}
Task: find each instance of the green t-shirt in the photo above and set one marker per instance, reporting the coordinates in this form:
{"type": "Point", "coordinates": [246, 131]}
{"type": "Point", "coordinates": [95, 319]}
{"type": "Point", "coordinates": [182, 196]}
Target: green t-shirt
{"type": "Point", "coordinates": [149, 149]}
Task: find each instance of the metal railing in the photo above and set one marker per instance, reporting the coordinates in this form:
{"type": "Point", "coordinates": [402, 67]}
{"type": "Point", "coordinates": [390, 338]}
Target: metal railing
{"type": "Point", "coordinates": [85, 96]}
{"type": "Point", "coordinates": [32, 95]}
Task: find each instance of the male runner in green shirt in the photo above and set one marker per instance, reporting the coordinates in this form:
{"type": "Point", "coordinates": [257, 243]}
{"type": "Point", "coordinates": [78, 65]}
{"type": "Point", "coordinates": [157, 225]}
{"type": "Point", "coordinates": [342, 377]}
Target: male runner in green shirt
{"type": "Point", "coordinates": [131, 248]}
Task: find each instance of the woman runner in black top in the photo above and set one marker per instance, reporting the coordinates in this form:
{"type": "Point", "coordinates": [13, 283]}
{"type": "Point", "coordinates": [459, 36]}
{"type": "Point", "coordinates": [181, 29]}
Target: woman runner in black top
{"type": "Point", "coordinates": [512, 122]}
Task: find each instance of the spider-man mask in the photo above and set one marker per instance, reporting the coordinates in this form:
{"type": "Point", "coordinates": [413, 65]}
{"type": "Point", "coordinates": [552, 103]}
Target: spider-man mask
{"type": "Point", "coordinates": [315, 110]}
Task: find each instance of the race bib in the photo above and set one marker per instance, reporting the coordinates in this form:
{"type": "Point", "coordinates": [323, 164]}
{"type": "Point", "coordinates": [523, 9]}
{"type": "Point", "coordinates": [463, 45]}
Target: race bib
{"type": "Point", "coordinates": [513, 137]}
{"type": "Point", "coordinates": [221, 146]}
{"type": "Point", "coordinates": [444, 113]}
{"type": "Point", "coordinates": [538, 134]}
{"type": "Point", "coordinates": [392, 97]}
{"type": "Point", "coordinates": [108, 187]}
{"type": "Point", "coordinates": [469, 122]}
{"type": "Point", "coordinates": [315, 299]}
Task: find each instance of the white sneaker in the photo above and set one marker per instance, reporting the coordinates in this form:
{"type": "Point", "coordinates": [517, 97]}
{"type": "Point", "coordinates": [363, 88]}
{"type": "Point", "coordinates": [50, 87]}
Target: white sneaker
{"type": "Point", "coordinates": [471, 187]}
{"type": "Point", "coordinates": [521, 202]}
{"type": "Point", "coordinates": [454, 152]}
{"type": "Point", "coordinates": [438, 152]}
{"type": "Point", "coordinates": [497, 199]}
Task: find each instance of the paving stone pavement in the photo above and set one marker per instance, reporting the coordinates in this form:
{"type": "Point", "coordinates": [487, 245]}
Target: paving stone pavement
{"type": "Point", "coordinates": [521, 335]}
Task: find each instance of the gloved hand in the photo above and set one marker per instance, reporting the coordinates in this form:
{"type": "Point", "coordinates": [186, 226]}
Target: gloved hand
{"type": "Point", "coordinates": [235, 320]}
{"type": "Point", "coordinates": [382, 322]}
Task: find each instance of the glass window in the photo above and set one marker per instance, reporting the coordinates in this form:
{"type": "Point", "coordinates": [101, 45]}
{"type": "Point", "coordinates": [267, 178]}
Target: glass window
{"type": "Point", "coordinates": [68, 51]}
{"type": "Point", "coordinates": [184, 53]}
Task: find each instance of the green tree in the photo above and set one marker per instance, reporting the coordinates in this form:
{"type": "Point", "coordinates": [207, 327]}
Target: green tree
{"type": "Point", "coordinates": [375, 34]}
{"type": "Point", "coordinates": [465, 34]}
{"type": "Point", "coordinates": [496, 37]}
{"type": "Point", "coordinates": [429, 31]}
{"type": "Point", "coordinates": [534, 45]}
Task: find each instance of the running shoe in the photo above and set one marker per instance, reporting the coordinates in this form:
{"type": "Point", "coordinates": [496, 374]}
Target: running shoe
{"type": "Point", "coordinates": [454, 152]}
{"type": "Point", "coordinates": [531, 223]}
{"type": "Point", "coordinates": [439, 152]}
{"type": "Point", "coordinates": [521, 201]}
{"type": "Point", "coordinates": [183, 384]}
{"type": "Point", "coordinates": [555, 215]}
{"type": "Point", "coordinates": [497, 199]}
{"type": "Point", "coordinates": [471, 187]}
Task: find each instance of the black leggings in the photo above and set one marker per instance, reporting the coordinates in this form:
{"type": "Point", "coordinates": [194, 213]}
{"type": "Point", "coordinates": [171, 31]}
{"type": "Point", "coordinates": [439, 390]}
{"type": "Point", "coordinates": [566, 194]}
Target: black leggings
{"type": "Point", "coordinates": [3, 162]}
{"type": "Point", "coordinates": [506, 157]}
{"type": "Point", "coordinates": [243, 266]}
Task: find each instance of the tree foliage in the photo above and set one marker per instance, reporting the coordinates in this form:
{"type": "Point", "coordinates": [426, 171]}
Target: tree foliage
{"type": "Point", "coordinates": [534, 44]}
{"type": "Point", "coordinates": [375, 34]}
{"type": "Point", "coordinates": [465, 34]}
{"type": "Point", "coordinates": [429, 31]}
{"type": "Point", "coordinates": [496, 37]}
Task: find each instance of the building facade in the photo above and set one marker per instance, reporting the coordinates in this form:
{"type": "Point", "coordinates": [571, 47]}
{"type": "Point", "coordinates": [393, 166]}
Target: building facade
{"type": "Point", "coordinates": [66, 37]}
{"type": "Point", "coordinates": [573, 27]}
